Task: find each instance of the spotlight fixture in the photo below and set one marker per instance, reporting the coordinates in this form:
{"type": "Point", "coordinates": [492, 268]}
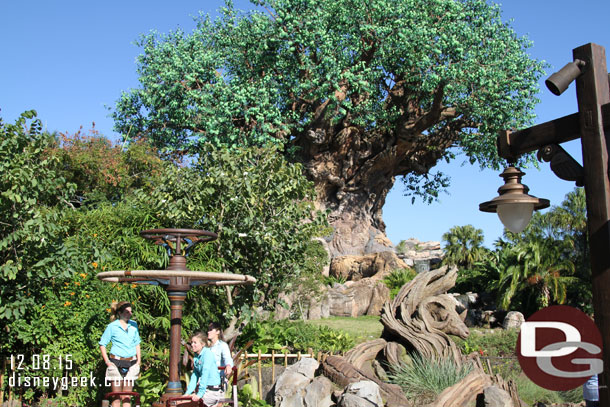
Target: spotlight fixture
{"type": "Point", "coordinates": [559, 81]}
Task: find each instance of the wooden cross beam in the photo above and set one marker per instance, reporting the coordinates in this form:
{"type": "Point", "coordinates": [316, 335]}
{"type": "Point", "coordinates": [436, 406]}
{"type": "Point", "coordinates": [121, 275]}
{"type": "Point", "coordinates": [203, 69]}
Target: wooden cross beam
{"type": "Point", "coordinates": [513, 144]}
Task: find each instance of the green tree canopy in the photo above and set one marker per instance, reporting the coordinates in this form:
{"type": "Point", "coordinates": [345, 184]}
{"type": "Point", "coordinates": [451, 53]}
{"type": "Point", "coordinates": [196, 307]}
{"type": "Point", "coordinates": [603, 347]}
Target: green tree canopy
{"type": "Point", "coordinates": [358, 91]}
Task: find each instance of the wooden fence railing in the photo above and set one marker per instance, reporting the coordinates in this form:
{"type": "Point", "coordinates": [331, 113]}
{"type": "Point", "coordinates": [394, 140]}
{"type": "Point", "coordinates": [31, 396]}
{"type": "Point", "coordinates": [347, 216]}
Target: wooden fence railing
{"type": "Point", "coordinates": [274, 357]}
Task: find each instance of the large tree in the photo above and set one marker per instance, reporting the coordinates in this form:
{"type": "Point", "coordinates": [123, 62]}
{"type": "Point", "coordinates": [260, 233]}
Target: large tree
{"type": "Point", "coordinates": [359, 92]}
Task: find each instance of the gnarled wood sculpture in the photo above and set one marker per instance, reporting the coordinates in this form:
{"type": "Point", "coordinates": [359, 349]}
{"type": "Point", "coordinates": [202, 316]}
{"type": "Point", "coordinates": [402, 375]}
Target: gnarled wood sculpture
{"type": "Point", "coordinates": [421, 316]}
{"type": "Point", "coordinates": [364, 352]}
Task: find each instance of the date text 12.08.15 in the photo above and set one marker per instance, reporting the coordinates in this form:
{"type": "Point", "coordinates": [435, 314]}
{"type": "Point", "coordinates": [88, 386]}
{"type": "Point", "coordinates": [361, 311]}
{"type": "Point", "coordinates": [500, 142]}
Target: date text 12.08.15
{"type": "Point", "coordinates": [41, 362]}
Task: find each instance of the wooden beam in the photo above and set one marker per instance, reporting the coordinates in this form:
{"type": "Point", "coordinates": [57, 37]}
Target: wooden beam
{"type": "Point", "coordinates": [567, 128]}
{"type": "Point", "coordinates": [592, 93]}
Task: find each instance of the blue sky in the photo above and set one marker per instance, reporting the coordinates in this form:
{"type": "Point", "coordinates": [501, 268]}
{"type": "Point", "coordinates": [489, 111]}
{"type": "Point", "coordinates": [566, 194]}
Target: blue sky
{"type": "Point", "coordinates": [70, 60]}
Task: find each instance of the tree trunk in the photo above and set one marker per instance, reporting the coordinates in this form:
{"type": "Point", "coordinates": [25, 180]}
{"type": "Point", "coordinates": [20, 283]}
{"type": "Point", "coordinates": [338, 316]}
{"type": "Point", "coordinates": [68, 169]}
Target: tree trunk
{"type": "Point", "coordinates": [353, 173]}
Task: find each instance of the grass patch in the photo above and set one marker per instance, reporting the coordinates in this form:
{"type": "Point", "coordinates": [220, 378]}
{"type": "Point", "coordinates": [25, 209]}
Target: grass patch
{"type": "Point", "coordinates": [362, 328]}
{"type": "Point", "coordinates": [492, 342]}
{"type": "Point", "coordinates": [423, 380]}
{"type": "Point", "coordinates": [531, 393]}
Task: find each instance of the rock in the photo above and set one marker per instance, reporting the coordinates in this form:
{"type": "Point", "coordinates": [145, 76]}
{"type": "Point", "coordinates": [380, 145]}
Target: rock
{"type": "Point", "coordinates": [358, 267]}
{"type": "Point", "coordinates": [318, 393]}
{"type": "Point", "coordinates": [361, 394]}
{"type": "Point", "coordinates": [319, 308]}
{"type": "Point", "coordinates": [363, 297]}
{"type": "Point", "coordinates": [288, 299]}
{"type": "Point", "coordinates": [413, 250]}
{"type": "Point", "coordinates": [467, 300]}
{"type": "Point", "coordinates": [378, 243]}
{"type": "Point", "coordinates": [513, 320]}
{"type": "Point", "coordinates": [268, 380]}
{"type": "Point", "coordinates": [496, 397]}
{"type": "Point", "coordinates": [289, 390]}
{"type": "Point", "coordinates": [313, 304]}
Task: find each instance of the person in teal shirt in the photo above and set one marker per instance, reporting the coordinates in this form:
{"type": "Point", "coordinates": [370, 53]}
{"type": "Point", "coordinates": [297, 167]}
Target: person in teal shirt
{"type": "Point", "coordinates": [205, 380]}
{"type": "Point", "coordinates": [220, 349]}
{"type": "Point", "coordinates": [123, 361]}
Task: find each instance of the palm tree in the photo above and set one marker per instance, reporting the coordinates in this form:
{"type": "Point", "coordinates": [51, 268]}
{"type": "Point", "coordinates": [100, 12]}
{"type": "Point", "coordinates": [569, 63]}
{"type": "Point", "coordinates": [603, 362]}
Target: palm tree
{"type": "Point", "coordinates": [464, 246]}
{"type": "Point", "coordinates": [538, 269]}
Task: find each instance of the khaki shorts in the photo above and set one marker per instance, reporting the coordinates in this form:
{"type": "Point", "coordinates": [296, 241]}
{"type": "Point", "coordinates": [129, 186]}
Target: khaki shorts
{"type": "Point", "coordinates": [210, 398]}
{"type": "Point", "coordinates": [113, 374]}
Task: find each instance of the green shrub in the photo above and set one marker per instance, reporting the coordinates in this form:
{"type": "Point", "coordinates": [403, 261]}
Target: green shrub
{"type": "Point", "coordinates": [425, 379]}
{"type": "Point", "coordinates": [397, 278]}
{"type": "Point", "coordinates": [294, 336]}
{"type": "Point", "coordinates": [248, 397]}
{"type": "Point", "coordinates": [331, 280]}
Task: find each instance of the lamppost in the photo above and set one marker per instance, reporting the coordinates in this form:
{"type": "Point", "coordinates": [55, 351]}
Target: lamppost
{"type": "Point", "coordinates": [591, 75]}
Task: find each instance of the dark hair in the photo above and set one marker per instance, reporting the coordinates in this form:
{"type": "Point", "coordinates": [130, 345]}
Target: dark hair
{"type": "Point", "coordinates": [216, 325]}
{"type": "Point", "coordinates": [118, 307]}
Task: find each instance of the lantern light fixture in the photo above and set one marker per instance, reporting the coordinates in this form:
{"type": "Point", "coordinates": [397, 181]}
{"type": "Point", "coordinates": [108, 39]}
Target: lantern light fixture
{"type": "Point", "coordinates": [513, 204]}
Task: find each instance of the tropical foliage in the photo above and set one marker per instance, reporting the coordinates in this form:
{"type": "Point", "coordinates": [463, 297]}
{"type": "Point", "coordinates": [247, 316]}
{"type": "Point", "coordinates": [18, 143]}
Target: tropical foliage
{"type": "Point", "coordinates": [67, 214]}
{"type": "Point", "coordinates": [295, 336]}
{"type": "Point", "coordinates": [545, 264]}
{"type": "Point", "coordinates": [397, 278]}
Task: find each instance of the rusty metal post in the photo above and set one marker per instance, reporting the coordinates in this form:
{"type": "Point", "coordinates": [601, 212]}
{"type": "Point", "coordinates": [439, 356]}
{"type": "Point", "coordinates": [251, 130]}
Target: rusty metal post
{"type": "Point", "coordinates": [592, 93]}
{"type": "Point", "coordinates": [176, 291]}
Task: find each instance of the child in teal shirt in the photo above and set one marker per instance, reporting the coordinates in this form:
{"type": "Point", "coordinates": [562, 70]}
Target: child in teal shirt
{"type": "Point", "coordinates": [205, 378]}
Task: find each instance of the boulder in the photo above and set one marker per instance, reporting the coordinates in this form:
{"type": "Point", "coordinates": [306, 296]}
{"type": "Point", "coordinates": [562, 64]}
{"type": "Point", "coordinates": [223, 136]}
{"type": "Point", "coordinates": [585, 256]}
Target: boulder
{"type": "Point", "coordinates": [319, 308]}
{"type": "Point", "coordinates": [315, 306]}
{"type": "Point", "coordinates": [376, 265]}
{"type": "Point", "coordinates": [496, 397]}
{"type": "Point", "coordinates": [361, 394]}
{"type": "Point", "coordinates": [289, 390]}
{"type": "Point", "coordinates": [353, 299]}
{"type": "Point", "coordinates": [318, 393]}
{"type": "Point", "coordinates": [513, 320]}
{"type": "Point", "coordinates": [413, 250]}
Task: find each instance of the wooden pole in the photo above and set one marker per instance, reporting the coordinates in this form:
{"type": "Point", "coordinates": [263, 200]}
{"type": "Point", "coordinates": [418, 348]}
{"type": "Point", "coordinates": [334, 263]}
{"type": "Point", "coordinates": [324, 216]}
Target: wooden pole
{"type": "Point", "coordinates": [2, 380]}
{"type": "Point", "coordinates": [260, 375]}
{"type": "Point", "coordinates": [273, 366]}
{"type": "Point", "coordinates": [286, 359]}
{"type": "Point", "coordinates": [245, 364]}
{"type": "Point", "coordinates": [299, 357]}
{"type": "Point", "coordinates": [592, 93]}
